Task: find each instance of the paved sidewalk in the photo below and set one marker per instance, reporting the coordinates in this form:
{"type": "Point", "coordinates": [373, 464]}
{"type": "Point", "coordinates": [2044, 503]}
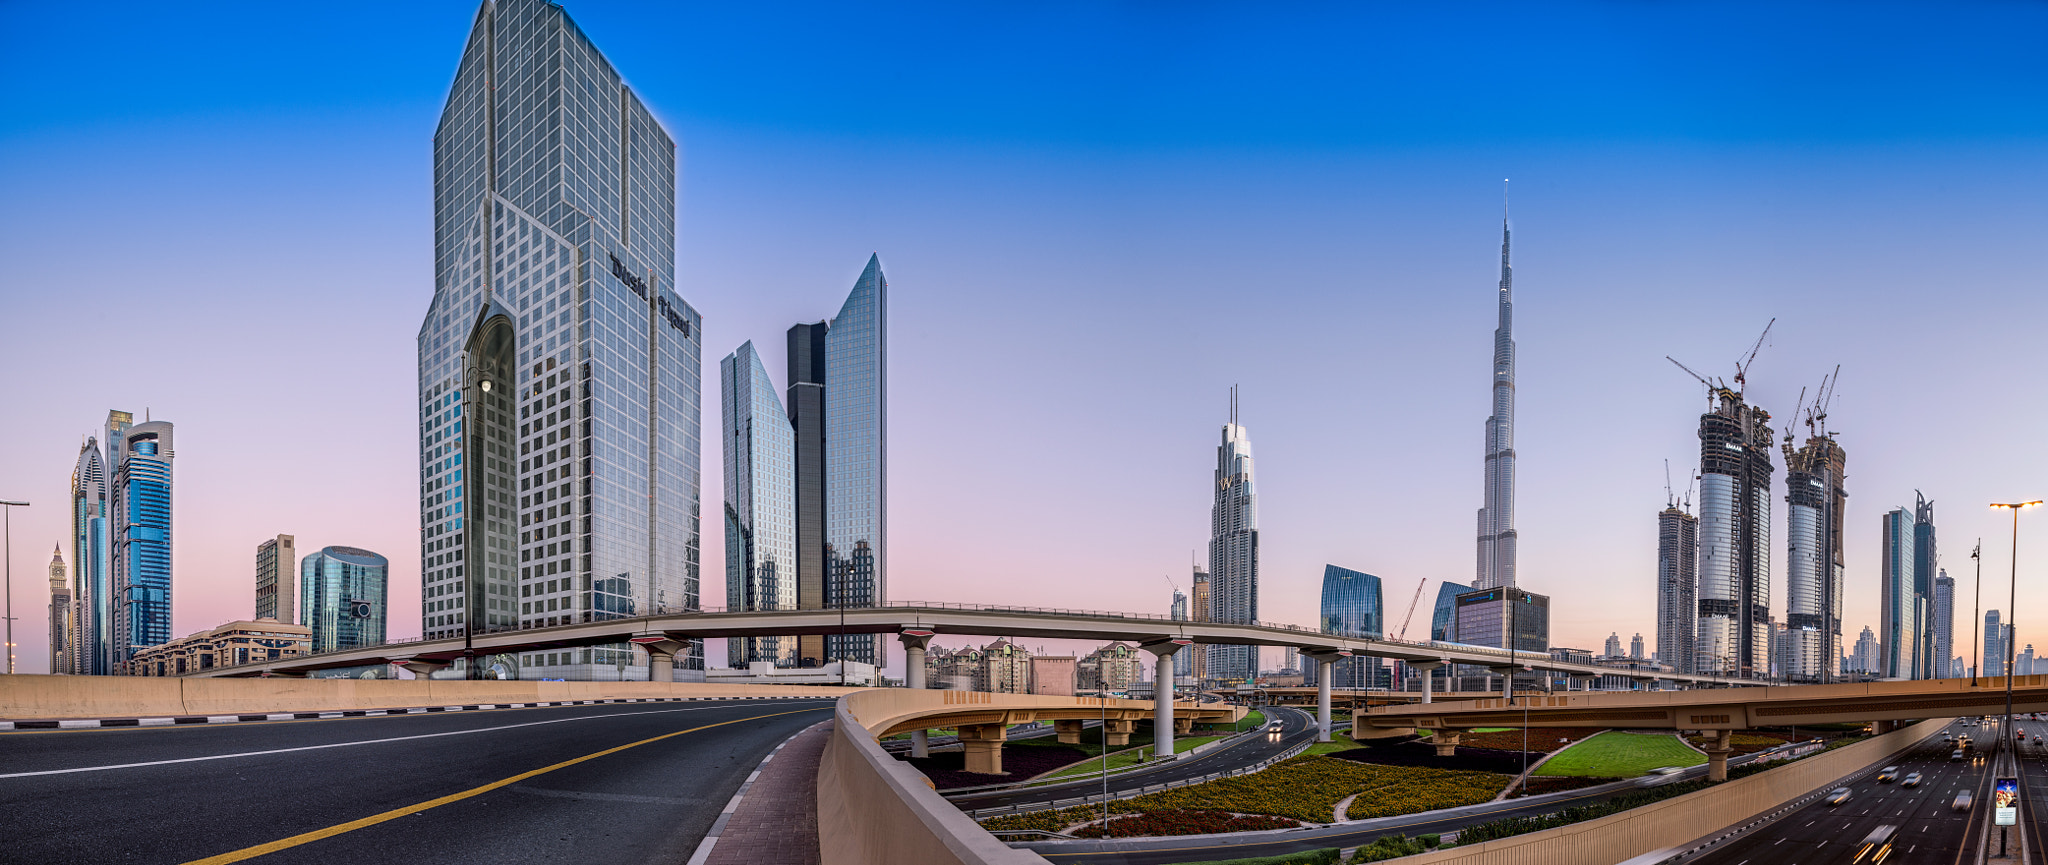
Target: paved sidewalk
{"type": "Point", "coordinates": [777, 820]}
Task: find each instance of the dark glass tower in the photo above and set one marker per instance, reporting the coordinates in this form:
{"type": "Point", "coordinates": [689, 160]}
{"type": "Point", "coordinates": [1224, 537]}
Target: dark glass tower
{"type": "Point", "coordinates": [806, 407]}
{"type": "Point", "coordinates": [141, 531]}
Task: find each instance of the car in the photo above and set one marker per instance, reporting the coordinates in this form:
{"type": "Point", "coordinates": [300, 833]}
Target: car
{"type": "Point", "coordinates": [1956, 757]}
{"type": "Point", "coordinates": [1838, 796]}
{"type": "Point", "coordinates": [1667, 770]}
{"type": "Point", "coordinates": [1879, 841]}
{"type": "Point", "coordinates": [1962, 802]}
{"type": "Point", "coordinates": [1912, 780]}
{"type": "Point", "coordinates": [1888, 774]}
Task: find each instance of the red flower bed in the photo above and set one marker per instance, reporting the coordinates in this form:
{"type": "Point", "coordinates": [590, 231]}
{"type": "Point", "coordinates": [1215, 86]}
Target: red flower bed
{"type": "Point", "coordinates": [1184, 822]}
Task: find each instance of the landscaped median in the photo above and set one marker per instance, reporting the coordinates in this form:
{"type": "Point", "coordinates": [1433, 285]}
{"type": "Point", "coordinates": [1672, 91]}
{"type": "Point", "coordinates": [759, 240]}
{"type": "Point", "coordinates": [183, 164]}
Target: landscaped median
{"type": "Point", "coordinates": [1616, 754]}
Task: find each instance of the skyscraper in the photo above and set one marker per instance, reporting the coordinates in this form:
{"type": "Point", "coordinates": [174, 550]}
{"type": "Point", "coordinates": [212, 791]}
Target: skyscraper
{"type": "Point", "coordinates": [857, 458]}
{"type": "Point", "coordinates": [1234, 549]}
{"type": "Point", "coordinates": [1899, 606]}
{"type": "Point", "coordinates": [1733, 632]}
{"type": "Point", "coordinates": [1865, 659]}
{"type": "Point", "coordinates": [760, 504]}
{"type": "Point", "coordinates": [558, 368]}
{"type": "Point", "coordinates": [1497, 517]}
{"type": "Point", "coordinates": [1994, 644]}
{"type": "Point", "coordinates": [806, 407]}
{"type": "Point", "coordinates": [1352, 606]}
{"type": "Point", "coordinates": [1199, 608]}
{"type": "Point", "coordinates": [1678, 586]}
{"type": "Point", "coordinates": [1183, 661]}
{"type": "Point", "coordinates": [140, 499]}
{"type": "Point", "coordinates": [1944, 625]}
{"type": "Point", "coordinates": [345, 597]}
{"type": "Point", "coordinates": [60, 614]}
{"type": "Point", "coordinates": [1635, 647]}
{"type": "Point", "coordinates": [276, 579]}
{"type": "Point", "coordinates": [1816, 497]}
{"type": "Point", "coordinates": [1613, 647]}
{"type": "Point", "coordinates": [1926, 565]}
{"type": "Point", "coordinates": [91, 563]}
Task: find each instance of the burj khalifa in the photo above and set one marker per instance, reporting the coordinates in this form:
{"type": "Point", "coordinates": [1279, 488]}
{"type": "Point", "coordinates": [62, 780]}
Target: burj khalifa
{"type": "Point", "coordinates": [1497, 518]}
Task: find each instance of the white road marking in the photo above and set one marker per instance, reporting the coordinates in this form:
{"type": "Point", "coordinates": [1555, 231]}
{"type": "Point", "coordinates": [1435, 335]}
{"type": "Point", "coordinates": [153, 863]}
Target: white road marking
{"type": "Point", "coordinates": [350, 744]}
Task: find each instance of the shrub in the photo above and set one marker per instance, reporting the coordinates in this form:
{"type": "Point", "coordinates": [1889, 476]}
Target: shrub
{"type": "Point", "coordinates": [1182, 822]}
{"type": "Point", "coordinates": [1389, 847]}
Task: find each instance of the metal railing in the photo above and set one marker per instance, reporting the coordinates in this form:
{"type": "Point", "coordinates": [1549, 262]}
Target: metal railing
{"type": "Point", "coordinates": [1135, 792]}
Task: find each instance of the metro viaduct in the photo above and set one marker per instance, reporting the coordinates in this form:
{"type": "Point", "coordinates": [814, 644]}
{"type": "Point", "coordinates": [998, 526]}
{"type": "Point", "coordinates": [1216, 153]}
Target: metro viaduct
{"type": "Point", "coordinates": [1714, 713]}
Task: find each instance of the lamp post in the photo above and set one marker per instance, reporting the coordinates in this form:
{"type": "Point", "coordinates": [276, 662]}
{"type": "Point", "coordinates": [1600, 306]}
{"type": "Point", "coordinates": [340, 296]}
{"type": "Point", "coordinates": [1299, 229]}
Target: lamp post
{"type": "Point", "coordinates": [2012, 601]}
{"type": "Point", "coordinates": [7, 526]}
{"type": "Point", "coordinates": [1977, 616]}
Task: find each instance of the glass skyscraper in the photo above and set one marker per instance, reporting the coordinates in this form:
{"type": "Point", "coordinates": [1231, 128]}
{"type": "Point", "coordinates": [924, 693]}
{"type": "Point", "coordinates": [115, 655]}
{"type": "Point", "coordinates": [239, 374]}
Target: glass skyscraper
{"type": "Point", "coordinates": [1497, 518]}
{"type": "Point", "coordinates": [558, 367]}
{"type": "Point", "coordinates": [1234, 550]}
{"type": "Point", "coordinates": [856, 466]}
{"type": "Point", "coordinates": [1899, 606]}
{"type": "Point", "coordinates": [1732, 635]}
{"type": "Point", "coordinates": [1814, 560]}
{"type": "Point", "coordinates": [1352, 607]}
{"type": "Point", "coordinates": [141, 504]}
{"type": "Point", "coordinates": [1678, 586]}
{"type": "Point", "coordinates": [344, 591]}
{"type": "Point", "coordinates": [91, 563]}
{"type": "Point", "coordinates": [760, 503]}
{"type": "Point", "coordinates": [1927, 662]}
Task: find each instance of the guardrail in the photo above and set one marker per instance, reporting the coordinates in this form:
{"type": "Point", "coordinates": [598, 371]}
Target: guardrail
{"type": "Point", "coordinates": [1289, 754]}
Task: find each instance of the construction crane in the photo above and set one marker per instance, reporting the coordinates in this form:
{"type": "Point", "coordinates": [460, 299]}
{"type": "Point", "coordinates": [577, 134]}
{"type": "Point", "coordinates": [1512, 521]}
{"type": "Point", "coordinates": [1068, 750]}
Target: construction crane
{"type": "Point", "coordinates": [1411, 608]}
{"type": "Point", "coordinates": [1742, 369]}
{"type": "Point", "coordinates": [1669, 500]}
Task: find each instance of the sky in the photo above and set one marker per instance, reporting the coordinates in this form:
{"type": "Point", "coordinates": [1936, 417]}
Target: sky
{"type": "Point", "coordinates": [1095, 219]}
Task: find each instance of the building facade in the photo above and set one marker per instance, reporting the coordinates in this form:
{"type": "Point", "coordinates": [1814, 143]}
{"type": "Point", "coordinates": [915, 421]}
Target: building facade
{"type": "Point", "coordinates": [1005, 668]}
{"type": "Point", "coordinates": [1497, 516]}
{"type": "Point", "coordinates": [558, 367]}
{"type": "Point", "coordinates": [60, 614]}
{"type": "Point", "coordinates": [1234, 550]}
{"type": "Point", "coordinates": [1732, 634]}
{"type": "Point", "coordinates": [1052, 675]}
{"type": "Point", "coordinates": [141, 503]}
{"type": "Point", "coordinates": [1926, 661]}
{"type": "Point", "coordinates": [1115, 667]}
{"type": "Point", "coordinates": [1613, 647]}
{"type": "Point", "coordinates": [1635, 647]}
{"type": "Point", "coordinates": [276, 583]}
{"type": "Point", "coordinates": [857, 458]}
{"type": "Point", "coordinates": [1485, 615]}
{"type": "Point", "coordinates": [1994, 644]}
{"type": "Point", "coordinates": [1678, 587]}
{"type": "Point", "coordinates": [1198, 656]}
{"type": "Point", "coordinates": [1816, 497]}
{"type": "Point", "coordinates": [760, 504]}
{"type": "Point", "coordinates": [1900, 609]}
{"type": "Point", "coordinates": [91, 563]}
{"type": "Point", "coordinates": [1864, 659]}
{"type": "Point", "coordinates": [1353, 605]}
{"type": "Point", "coordinates": [345, 597]}
{"type": "Point", "coordinates": [1183, 661]}
{"type": "Point", "coordinates": [229, 645]}
{"type": "Point", "coordinates": [1943, 625]}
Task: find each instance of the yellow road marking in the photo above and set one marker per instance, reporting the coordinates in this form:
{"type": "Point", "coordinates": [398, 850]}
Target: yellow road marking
{"type": "Point", "coordinates": [395, 813]}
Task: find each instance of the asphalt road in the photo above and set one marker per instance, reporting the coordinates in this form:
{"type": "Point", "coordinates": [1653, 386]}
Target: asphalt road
{"type": "Point", "coordinates": [504, 786]}
{"type": "Point", "coordinates": [1296, 727]}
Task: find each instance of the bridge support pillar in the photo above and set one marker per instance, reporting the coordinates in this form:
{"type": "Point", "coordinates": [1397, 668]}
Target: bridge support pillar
{"type": "Point", "coordinates": [915, 641]}
{"type": "Point", "coordinates": [1717, 754]}
{"type": "Point", "coordinates": [1116, 731]}
{"type": "Point", "coordinates": [1428, 669]}
{"type": "Point", "coordinates": [1326, 664]}
{"type": "Point", "coordinates": [1183, 726]}
{"type": "Point", "coordinates": [984, 746]}
{"type": "Point", "coordinates": [1069, 731]}
{"type": "Point", "coordinates": [661, 655]}
{"type": "Point", "coordinates": [1446, 742]}
{"type": "Point", "coordinates": [1163, 727]}
{"type": "Point", "coordinates": [420, 669]}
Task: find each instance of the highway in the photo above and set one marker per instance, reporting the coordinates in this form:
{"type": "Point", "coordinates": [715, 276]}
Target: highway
{"type": "Point", "coordinates": [634, 782]}
{"type": "Point", "coordinates": [1296, 728]}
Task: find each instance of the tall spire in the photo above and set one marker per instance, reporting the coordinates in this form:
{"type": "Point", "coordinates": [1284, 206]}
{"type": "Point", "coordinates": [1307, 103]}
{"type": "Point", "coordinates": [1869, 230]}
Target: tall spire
{"type": "Point", "coordinates": [1496, 564]}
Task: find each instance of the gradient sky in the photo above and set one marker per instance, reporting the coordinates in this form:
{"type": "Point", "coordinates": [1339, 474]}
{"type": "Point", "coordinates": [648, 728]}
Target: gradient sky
{"type": "Point", "coordinates": [1095, 218]}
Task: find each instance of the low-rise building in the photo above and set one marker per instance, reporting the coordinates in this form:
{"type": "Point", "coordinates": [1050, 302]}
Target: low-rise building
{"type": "Point", "coordinates": [766, 673]}
{"type": "Point", "coordinates": [1006, 668]}
{"type": "Point", "coordinates": [1111, 668]}
{"type": "Point", "coordinates": [232, 644]}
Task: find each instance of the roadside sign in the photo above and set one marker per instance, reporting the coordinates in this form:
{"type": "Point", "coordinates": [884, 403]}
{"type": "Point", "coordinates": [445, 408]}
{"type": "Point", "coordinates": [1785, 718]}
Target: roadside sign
{"type": "Point", "coordinates": [2005, 799]}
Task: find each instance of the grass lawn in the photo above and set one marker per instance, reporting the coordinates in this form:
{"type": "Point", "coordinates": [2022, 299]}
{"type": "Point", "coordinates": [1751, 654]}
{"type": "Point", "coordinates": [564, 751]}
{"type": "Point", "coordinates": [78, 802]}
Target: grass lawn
{"type": "Point", "coordinates": [1252, 720]}
{"type": "Point", "coordinates": [1120, 759]}
{"type": "Point", "coordinates": [1621, 755]}
{"type": "Point", "coordinates": [1339, 741]}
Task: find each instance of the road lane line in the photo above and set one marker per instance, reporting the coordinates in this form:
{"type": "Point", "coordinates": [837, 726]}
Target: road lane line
{"type": "Point", "coordinates": [409, 810]}
{"type": "Point", "coordinates": [348, 744]}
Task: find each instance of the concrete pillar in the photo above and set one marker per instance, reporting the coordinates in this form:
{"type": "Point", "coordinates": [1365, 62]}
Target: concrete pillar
{"type": "Point", "coordinates": [422, 669]}
{"type": "Point", "coordinates": [1323, 668]}
{"type": "Point", "coordinates": [915, 642]}
{"type": "Point", "coordinates": [661, 666]}
{"type": "Point", "coordinates": [1162, 695]}
{"type": "Point", "coordinates": [1717, 754]}
{"type": "Point", "coordinates": [1069, 731]}
{"type": "Point", "coordinates": [1446, 742]}
{"type": "Point", "coordinates": [1116, 732]}
{"type": "Point", "coordinates": [984, 746]}
{"type": "Point", "coordinates": [1183, 726]}
{"type": "Point", "coordinates": [1428, 669]}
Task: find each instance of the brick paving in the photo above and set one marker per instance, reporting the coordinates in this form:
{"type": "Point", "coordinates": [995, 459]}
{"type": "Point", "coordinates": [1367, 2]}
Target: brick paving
{"type": "Point", "coordinates": [777, 821]}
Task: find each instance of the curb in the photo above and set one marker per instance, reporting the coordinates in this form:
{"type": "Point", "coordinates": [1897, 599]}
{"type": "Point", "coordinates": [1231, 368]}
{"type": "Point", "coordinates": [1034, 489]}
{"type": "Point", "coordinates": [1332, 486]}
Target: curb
{"type": "Point", "coordinates": [718, 826]}
{"type": "Point", "coordinates": [179, 720]}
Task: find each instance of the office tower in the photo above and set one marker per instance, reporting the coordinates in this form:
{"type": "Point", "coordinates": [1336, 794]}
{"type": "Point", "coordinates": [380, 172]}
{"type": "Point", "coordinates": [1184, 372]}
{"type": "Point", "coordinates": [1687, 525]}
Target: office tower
{"type": "Point", "coordinates": [91, 563]}
{"type": "Point", "coordinates": [1198, 655]}
{"type": "Point", "coordinates": [1613, 648]}
{"type": "Point", "coordinates": [1635, 647]}
{"type": "Point", "coordinates": [806, 407]}
{"type": "Point", "coordinates": [558, 367]}
{"type": "Point", "coordinates": [1485, 616]}
{"type": "Point", "coordinates": [1994, 645]}
{"type": "Point", "coordinates": [1899, 606]}
{"type": "Point", "coordinates": [1925, 568]}
{"type": "Point", "coordinates": [1944, 624]}
{"type": "Point", "coordinates": [857, 457]}
{"type": "Point", "coordinates": [140, 499]}
{"type": "Point", "coordinates": [760, 504]}
{"type": "Point", "coordinates": [1816, 497]}
{"type": "Point", "coordinates": [1183, 660]}
{"type": "Point", "coordinates": [1732, 637]}
{"type": "Point", "coordinates": [1443, 615]}
{"type": "Point", "coordinates": [1678, 586]}
{"type": "Point", "coordinates": [276, 583]}
{"type": "Point", "coordinates": [1353, 606]}
{"type": "Point", "coordinates": [2023, 665]}
{"type": "Point", "coordinates": [60, 614]}
{"type": "Point", "coordinates": [344, 594]}
{"type": "Point", "coordinates": [1497, 517]}
{"type": "Point", "coordinates": [1234, 549]}
{"type": "Point", "coordinates": [1865, 658]}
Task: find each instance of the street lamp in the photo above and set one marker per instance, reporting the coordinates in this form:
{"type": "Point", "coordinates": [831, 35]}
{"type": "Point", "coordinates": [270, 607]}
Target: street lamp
{"type": "Point", "coordinates": [7, 527]}
{"type": "Point", "coordinates": [2012, 601]}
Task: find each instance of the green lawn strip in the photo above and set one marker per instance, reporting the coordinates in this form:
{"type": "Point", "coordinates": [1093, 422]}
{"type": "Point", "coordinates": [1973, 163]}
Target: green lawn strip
{"type": "Point", "coordinates": [1120, 759]}
{"type": "Point", "coordinates": [1339, 741]}
{"type": "Point", "coordinates": [1251, 721]}
{"type": "Point", "coordinates": [1621, 755]}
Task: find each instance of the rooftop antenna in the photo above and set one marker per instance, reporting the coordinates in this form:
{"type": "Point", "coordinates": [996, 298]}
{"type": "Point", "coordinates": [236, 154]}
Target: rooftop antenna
{"type": "Point", "coordinates": [1742, 369]}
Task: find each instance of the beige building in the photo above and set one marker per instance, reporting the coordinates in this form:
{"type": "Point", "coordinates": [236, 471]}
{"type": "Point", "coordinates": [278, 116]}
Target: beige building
{"type": "Point", "coordinates": [1111, 668]}
{"type": "Point", "coordinates": [953, 669]}
{"type": "Point", "coordinates": [1052, 675]}
{"type": "Point", "coordinates": [1200, 613]}
{"type": "Point", "coordinates": [228, 645]}
{"type": "Point", "coordinates": [1006, 668]}
{"type": "Point", "coordinates": [277, 562]}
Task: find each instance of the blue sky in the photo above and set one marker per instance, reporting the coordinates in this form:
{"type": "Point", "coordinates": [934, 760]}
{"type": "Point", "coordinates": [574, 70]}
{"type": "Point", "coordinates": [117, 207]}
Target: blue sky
{"type": "Point", "coordinates": [1095, 219]}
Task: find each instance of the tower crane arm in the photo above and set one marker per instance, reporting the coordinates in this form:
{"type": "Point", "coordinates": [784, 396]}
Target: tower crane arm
{"type": "Point", "coordinates": [1411, 608]}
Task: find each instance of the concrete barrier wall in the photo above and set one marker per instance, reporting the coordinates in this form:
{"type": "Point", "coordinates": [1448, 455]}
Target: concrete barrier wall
{"type": "Point", "coordinates": [29, 697]}
{"type": "Point", "coordinates": [876, 810]}
{"type": "Point", "coordinates": [1682, 819]}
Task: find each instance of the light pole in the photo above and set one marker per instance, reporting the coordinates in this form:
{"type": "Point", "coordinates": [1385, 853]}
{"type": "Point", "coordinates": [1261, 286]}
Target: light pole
{"type": "Point", "coordinates": [7, 527]}
{"type": "Point", "coordinates": [1977, 616]}
{"type": "Point", "coordinates": [2012, 601]}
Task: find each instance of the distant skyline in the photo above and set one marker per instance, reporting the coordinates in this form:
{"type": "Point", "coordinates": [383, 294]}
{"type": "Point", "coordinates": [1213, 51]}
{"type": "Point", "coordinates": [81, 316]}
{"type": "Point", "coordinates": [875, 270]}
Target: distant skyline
{"type": "Point", "coordinates": [1096, 220]}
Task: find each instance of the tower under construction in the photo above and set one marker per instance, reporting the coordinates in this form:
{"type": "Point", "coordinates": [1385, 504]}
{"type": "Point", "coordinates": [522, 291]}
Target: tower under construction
{"type": "Point", "coordinates": [1733, 633]}
{"type": "Point", "coordinates": [1817, 497]}
{"type": "Point", "coordinates": [1678, 586]}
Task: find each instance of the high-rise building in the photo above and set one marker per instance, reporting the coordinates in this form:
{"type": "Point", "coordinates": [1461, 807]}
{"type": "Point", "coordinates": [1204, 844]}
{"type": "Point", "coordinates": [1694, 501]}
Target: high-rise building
{"type": "Point", "coordinates": [345, 597]}
{"type": "Point", "coordinates": [60, 614]}
{"type": "Point", "coordinates": [1184, 660]}
{"type": "Point", "coordinates": [806, 406]}
{"type": "Point", "coordinates": [1732, 637]}
{"type": "Point", "coordinates": [1994, 645]}
{"type": "Point", "coordinates": [92, 561]}
{"type": "Point", "coordinates": [1353, 606]}
{"type": "Point", "coordinates": [857, 458]}
{"type": "Point", "coordinates": [140, 499]}
{"type": "Point", "coordinates": [1485, 617]}
{"type": "Point", "coordinates": [760, 504]}
{"type": "Point", "coordinates": [1944, 624]}
{"type": "Point", "coordinates": [1198, 656]}
{"type": "Point", "coordinates": [1497, 517]}
{"type": "Point", "coordinates": [1816, 497]}
{"type": "Point", "coordinates": [276, 586]}
{"type": "Point", "coordinates": [1678, 586]}
{"type": "Point", "coordinates": [1234, 550]}
{"type": "Point", "coordinates": [559, 369]}
{"type": "Point", "coordinates": [2023, 664]}
{"type": "Point", "coordinates": [1926, 566]}
{"type": "Point", "coordinates": [1899, 606]}
{"type": "Point", "coordinates": [1613, 648]}
{"type": "Point", "coordinates": [1865, 658]}
{"type": "Point", "coordinates": [1635, 647]}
